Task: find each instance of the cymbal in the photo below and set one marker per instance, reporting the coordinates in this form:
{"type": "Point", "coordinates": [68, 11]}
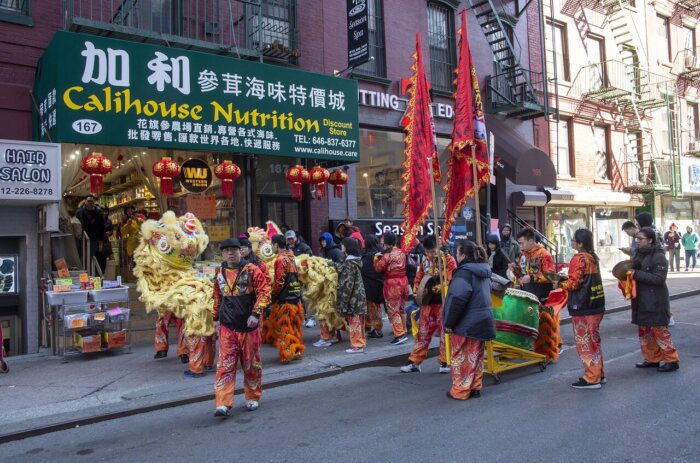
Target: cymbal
{"type": "Point", "coordinates": [620, 269]}
{"type": "Point", "coordinates": [555, 277]}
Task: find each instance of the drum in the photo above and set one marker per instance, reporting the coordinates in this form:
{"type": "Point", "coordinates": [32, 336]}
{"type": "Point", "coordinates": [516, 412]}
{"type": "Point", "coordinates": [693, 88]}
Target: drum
{"type": "Point", "coordinates": [517, 319]}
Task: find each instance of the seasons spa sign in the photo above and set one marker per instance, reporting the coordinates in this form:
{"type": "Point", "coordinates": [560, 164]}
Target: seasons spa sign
{"type": "Point", "coordinates": [130, 94]}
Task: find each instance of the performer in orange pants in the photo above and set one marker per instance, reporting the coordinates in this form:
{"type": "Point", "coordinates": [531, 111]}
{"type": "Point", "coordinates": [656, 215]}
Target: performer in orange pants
{"type": "Point", "coordinates": [238, 347]}
{"type": "Point", "coordinates": [393, 265]}
{"type": "Point", "coordinates": [430, 322]}
{"type": "Point", "coordinates": [657, 345]}
{"type": "Point", "coordinates": [356, 330]}
{"type": "Point", "coordinates": [467, 367]}
{"type": "Point", "coordinates": [587, 337]}
{"type": "Point", "coordinates": [373, 321]}
{"type": "Point", "coordinates": [162, 342]}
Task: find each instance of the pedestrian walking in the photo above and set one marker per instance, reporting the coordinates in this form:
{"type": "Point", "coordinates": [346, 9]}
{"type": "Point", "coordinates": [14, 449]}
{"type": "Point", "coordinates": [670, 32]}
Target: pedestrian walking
{"type": "Point", "coordinates": [630, 230]}
{"type": "Point", "coordinates": [374, 285]}
{"type": "Point", "coordinates": [351, 299]}
{"type": "Point", "coordinates": [586, 304]}
{"type": "Point", "coordinates": [651, 308]}
{"type": "Point", "coordinates": [690, 245]}
{"type": "Point", "coordinates": [241, 293]}
{"type": "Point", "coordinates": [428, 281]}
{"type": "Point", "coordinates": [392, 264]}
{"type": "Point", "coordinates": [468, 319]}
{"type": "Point", "coordinates": [498, 261]}
{"type": "Point", "coordinates": [672, 243]}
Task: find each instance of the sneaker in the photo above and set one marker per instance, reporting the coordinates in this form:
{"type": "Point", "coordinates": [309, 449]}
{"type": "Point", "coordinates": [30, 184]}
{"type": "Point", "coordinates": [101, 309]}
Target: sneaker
{"type": "Point", "coordinates": [322, 343]}
{"type": "Point", "coordinates": [161, 354]}
{"type": "Point", "coordinates": [474, 394]}
{"type": "Point", "coordinates": [603, 380]}
{"type": "Point", "coordinates": [671, 321]}
{"type": "Point", "coordinates": [399, 340]}
{"type": "Point", "coordinates": [444, 369]}
{"type": "Point", "coordinates": [191, 374]}
{"type": "Point", "coordinates": [251, 405]}
{"type": "Point", "coordinates": [374, 334]}
{"type": "Point", "coordinates": [410, 367]}
{"type": "Point", "coordinates": [310, 323]}
{"type": "Point", "coordinates": [668, 367]}
{"type": "Point", "coordinates": [4, 367]}
{"type": "Point", "coordinates": [583, 384]}
{"type": "Point", "coordinates": [222, 411]}
{"type": "Point", "coordinates": [208, 368]}
{"type": "Point", "coordinates": [184, 359]}
{"type": "Point", "coordinates": [355, 350]}
{"type": "Point", "coordinates": [646, 364]}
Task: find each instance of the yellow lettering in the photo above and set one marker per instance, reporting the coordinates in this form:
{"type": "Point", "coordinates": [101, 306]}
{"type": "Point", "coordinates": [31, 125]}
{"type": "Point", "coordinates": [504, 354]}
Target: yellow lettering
{"type": "Point", "coordinates": [183, 111]}
{"type": "Point", "coordinates": [219, 111]}
{"type": "Point", "coordinates": [68, 101]}
{"type": "Point", "coordinates": [166, 111]}
{"type": "Point", "coordinates": [196, 112]}
{"type": "Point", "coordinates": [150, 108]}
{"type": "Point", "coordinates": [93, 104]}
{"type": "Point", "coordinates": [242, 119]}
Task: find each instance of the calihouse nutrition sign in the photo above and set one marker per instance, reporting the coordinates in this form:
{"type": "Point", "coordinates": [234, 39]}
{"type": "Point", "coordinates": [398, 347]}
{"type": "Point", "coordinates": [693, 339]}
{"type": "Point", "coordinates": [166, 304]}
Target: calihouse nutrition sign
{"type": "Point", "coordinates": [112, 92]}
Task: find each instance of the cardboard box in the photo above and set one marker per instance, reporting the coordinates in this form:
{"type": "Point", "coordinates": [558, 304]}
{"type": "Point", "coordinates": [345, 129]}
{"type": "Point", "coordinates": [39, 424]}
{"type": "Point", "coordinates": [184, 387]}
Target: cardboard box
{"type": "Point", "coordinates": [87, 342]}
{"type": "Point", "coordinates": [112, 339]}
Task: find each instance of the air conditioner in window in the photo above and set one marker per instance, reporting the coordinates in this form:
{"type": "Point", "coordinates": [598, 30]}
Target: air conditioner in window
{"type": "Point", "coordinates": [691, 62]}
{"type": "Point", "coordinates": [692, 146]}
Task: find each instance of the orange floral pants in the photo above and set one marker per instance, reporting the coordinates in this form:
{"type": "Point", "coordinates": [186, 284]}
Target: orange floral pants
{"type": "Point", "coordinates": [235, 347]}
{"type": "Point", "coordinates": [162, 342]}
{"type": "Point", "coordinates": [373, 320]}
{"type": "Point", "coordinates": [202, 350]}
{"type": "Point", "coordinates": [587, 337]}
{"type": "Point", "coordinates": [285, 324]}
{"type": "Point", "coordinates": [467, 366]}
{"type": "Point", "coordinates": [429, 323]}
{"type": "Point", "coordinates": [356, 329]}
{"type": "Point", "coordinates": [657, 345]}
{"type": "Point", "coordinates": [395, 293]}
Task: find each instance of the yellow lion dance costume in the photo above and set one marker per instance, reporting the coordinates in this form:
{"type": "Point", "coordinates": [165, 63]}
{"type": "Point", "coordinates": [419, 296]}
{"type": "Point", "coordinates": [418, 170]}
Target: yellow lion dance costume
{"type": "Point", "coordinates": [167, 280]}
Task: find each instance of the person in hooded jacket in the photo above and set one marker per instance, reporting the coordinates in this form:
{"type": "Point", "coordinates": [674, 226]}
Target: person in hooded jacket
{"type": "Point", "coordinates": [351, 299]}
{"type": "Point", "coordinates": [330, 250]}
{"type": "Point", "coordinates": [498, 261]}
{"type": "Point", "coordinates": [651, 308]}
{"type": "Point", "coordinates": [509, 244]}
{"type": "Point", "coordinates": [374, 283]}
{"type": "Point", "coordinates": [468, 318]}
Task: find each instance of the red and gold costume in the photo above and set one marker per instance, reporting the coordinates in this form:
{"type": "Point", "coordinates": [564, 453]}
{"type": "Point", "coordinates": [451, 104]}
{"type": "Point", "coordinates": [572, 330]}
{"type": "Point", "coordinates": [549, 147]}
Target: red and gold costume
{"type": "Point", "coordinates": [287, 314]}
{"type": "Point", "coordinates": [586, 318]}
{"type": "Point", "coordinates": [657, 345]}
{"type": "Point", "coordinates": [373, 320]}
{"type": "Point", "coordinates": [247, 289]}
{"type": "Point", "coordinates": [467, 366]}
{"type": "Point", "coordinates": [535, 263]}
{"type": "Point", "coordinates": [431, 314]}
{"type": "Point", "coordinates": [393, 265]}
{"type": "Point", "coordinates": [162, 342]}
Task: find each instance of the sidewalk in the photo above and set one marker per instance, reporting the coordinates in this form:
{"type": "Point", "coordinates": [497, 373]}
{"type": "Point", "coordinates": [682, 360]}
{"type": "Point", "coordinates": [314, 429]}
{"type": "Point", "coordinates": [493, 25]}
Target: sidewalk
{"type": "Point", "coordinates": [41, 391]}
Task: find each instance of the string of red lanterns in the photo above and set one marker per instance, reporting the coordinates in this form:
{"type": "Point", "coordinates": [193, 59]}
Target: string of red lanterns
{"type": "Point", "coordinates": [338, 178]}
{"type": "Point", "coordinates": [227, 172]}
{"type": "Point", "coordinates": [319, 177]}
{"type": "Point", "coordinates": [297, 175]}
{"type": "Point", "coordinates": [166, 170]}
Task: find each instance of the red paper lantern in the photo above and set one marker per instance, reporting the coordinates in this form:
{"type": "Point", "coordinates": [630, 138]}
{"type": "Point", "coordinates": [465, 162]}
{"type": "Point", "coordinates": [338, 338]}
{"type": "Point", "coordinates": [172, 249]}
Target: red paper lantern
{"type": "Point", "coordinates": [97, 166]}
{"type": "Point", "coordinates": [338, 178]}
{"type": "Point", "coordinates": [319, 177]}
{"type": "Point", "coordinates": [227, 172]}
{"type": "Point", "coordinates": [297, 175]}
{"type": "Point", "coordinates": [166, 170]}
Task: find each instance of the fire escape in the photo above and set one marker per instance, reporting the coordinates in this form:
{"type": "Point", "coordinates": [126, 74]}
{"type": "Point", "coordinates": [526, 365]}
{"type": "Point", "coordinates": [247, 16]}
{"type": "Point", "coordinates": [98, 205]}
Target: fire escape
{"type": "Point", "coordinates": [248, 29]}
{"type": "Point", "coordinates": [632, 92]}
{"type": "Point", "coordinates": [513, 91]}
{"type": "Point", "coordinates": [688, 63]}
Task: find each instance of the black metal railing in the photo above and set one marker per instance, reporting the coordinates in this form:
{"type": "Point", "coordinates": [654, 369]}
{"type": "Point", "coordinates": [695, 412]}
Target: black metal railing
{"type": "Point", "coordinates": [519, 225]}
{"type": "Point", "coordinates": [515, 91]}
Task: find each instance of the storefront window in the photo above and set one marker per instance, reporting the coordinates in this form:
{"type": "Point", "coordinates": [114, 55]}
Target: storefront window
{"type": "Point", "coordinates": [378, 178]}
{"type": "Point", "coordinates": [273, 194]}
{"type": "Point", "coordinates": [678, 211]}
{"type": "Point", "coordinates": [609, 237]}
{"type": "Point", "coordinates": [562, 223]}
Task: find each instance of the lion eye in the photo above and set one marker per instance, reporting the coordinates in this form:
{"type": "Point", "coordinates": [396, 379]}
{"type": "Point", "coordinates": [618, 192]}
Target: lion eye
{"type": "Point", "coordinates": [163, 245]}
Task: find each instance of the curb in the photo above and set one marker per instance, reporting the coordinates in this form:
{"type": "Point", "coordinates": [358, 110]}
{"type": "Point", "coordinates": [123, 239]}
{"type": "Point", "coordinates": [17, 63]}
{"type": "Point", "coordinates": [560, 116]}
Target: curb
{"type": "Point", "coordinates": [392, 360]}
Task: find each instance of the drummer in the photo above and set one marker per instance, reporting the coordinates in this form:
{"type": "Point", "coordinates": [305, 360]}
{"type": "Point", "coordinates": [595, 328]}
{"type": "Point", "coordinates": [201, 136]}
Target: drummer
{"type": "Point", "coordinates": [428, 281]}
{"type": "Point", "coordinates": [532, 264]}
{"type": "Point", "coordinates": [586, 304]}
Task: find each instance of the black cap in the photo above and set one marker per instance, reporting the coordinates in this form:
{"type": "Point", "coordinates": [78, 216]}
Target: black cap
{"type": "Point", "coordinates": [230, 243]}
{"type": "Point", "coordinates": [245, 242]}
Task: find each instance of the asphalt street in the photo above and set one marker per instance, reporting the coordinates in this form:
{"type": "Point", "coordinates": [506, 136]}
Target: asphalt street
{"type": "Point", "coordinates": [379, 414]}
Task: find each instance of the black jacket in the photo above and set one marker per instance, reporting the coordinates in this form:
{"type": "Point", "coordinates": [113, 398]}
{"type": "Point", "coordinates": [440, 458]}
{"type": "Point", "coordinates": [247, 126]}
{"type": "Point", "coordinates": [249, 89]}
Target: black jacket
{"type": "Point", "coordinates": [300, 248]}
{"type": "Point", "coordinates": [652, 306]}
{"type": "Point", "coordinates": [93, 223]}
{"type": "Point", "coordinates": [467, 309]}
{"type": "Point", "coordinates": [333, 253]}
{"type": "Point", "coordinates": [500, 262]}
{"type": "Point", "coordinates": [373, 280]}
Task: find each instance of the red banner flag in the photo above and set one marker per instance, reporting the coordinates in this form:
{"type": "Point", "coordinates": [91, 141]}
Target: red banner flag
{"type": "Point", "coordinates": [419, 149]}
{"type": "Point", "coordinates": [469, 129]}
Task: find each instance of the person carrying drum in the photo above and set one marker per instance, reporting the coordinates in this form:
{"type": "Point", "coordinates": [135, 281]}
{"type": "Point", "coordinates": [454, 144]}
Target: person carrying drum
{"type": "Point", "coordinates": [392, 263]}
{"type": "Point", "coordinates": [531, 265]}
{"type": "Point", "coordinates": [586, 304]}
{"type": "Point", "coordinates": [429, 295]}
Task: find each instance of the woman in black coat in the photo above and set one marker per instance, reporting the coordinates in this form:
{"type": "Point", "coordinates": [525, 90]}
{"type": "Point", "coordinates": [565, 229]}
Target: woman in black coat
{"type": "Point", "coordinates": [651, 308]}
{"type": "Point", "coordinates": [497, 259]}
{"type": "Point", "coordinates": [468, 317]}
{"type": "Point", "coordinates": [374, 284]}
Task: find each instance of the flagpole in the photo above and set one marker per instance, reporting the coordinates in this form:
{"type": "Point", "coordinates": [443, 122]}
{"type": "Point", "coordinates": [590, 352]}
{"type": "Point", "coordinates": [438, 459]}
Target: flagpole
{"type": "Point", "coordinates": [440, 266]}
{"type": "Point", "coordinates": [476, 196]}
